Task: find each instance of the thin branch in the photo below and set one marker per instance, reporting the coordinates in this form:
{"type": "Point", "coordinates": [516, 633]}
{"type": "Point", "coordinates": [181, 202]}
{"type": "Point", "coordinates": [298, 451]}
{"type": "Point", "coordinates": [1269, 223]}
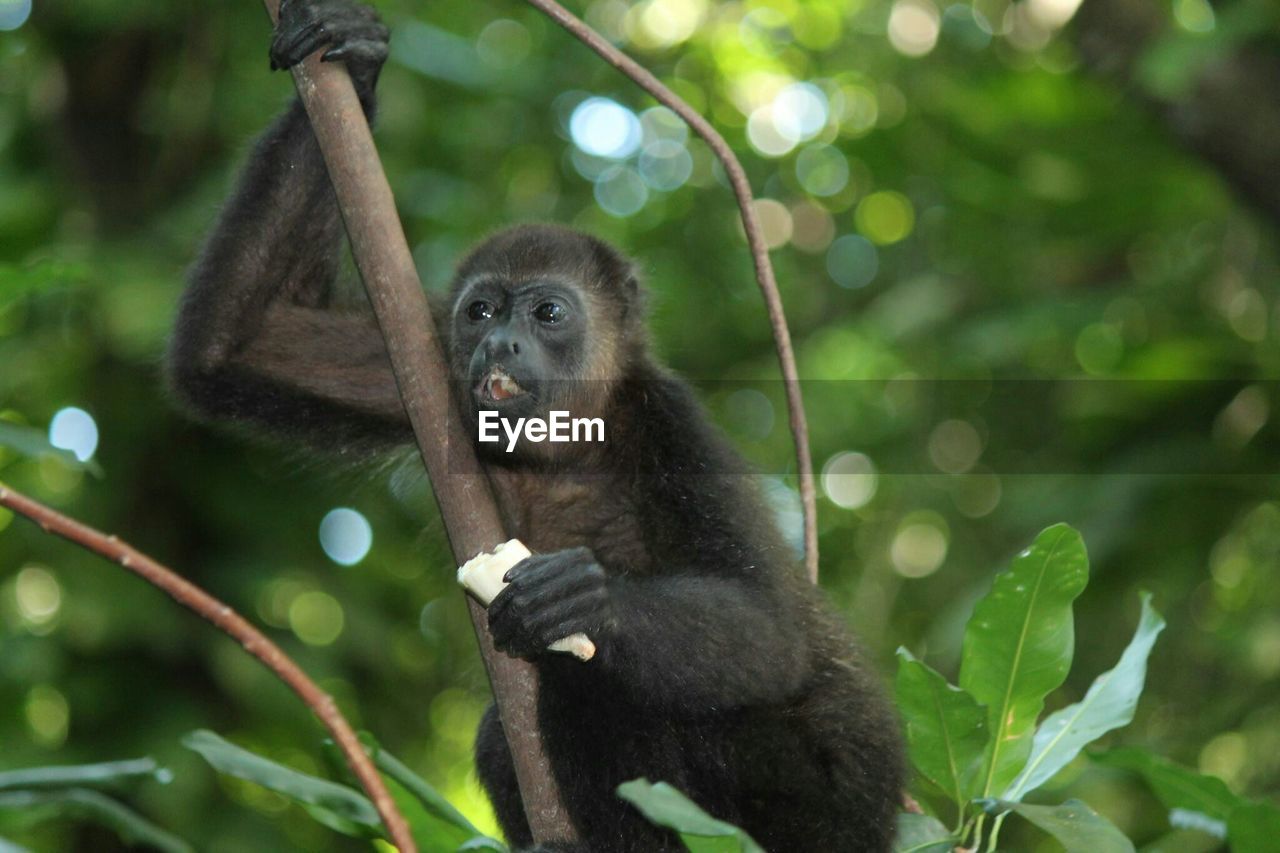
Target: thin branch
{"type": "Point", "coordinates": [238, 628]}
{"type": "Point", "coordinates": [755, 239]}
{"type": "Point", "coordinates": [460, 485]}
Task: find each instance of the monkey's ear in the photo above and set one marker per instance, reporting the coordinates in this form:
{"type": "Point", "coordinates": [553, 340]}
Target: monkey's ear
{"type": "Point", "coordinates": [634, 299]}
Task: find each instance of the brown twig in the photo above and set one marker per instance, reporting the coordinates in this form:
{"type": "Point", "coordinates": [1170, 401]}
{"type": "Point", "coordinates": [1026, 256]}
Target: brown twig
{"type": "Point", "coordinates": [238, 628]}
{"type": "Point", "coordinates": [460, 486]}
{"type": "Point", "coordinates": [755, 239]}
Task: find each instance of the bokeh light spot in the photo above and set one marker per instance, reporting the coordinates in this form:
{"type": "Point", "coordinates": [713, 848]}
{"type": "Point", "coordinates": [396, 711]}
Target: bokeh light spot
{"type": "Point", "coordinates": [799, 112]}
{"type": "Point", "coordinates": [621, 192]}
{"type": "Point", "coordinates": [48, 714]}
{"type": "Point", "coordinates": [763, 134]}
{"type": "Point", "coordinates": [856, 109]}
{"type": "Point", "coordinates": [914, 26]}
{"type": "Point", "coordinates": [822, 170]}
{"type": "Point", "coordinates": [663, 23]}
{"type": "Point", "coordinates": [38, 594]}
{"type": "Point", "coordinates": [775, 221]}
{"type": "Point", "coordinates": [850, 480]}
{"type": "Point", "coordinates": [316, 618]}
{"type": "Point", "coordinates": [787, 511]}
{"type": "Point", "coordinates": [14, 13]}
{"type": "Point", "coordinates": [502, 44]}
{"type": "Point", "coordinates": [346, 536]}
{"type": "Point", "coordinates": [1195, 16]}
{"type": "Point", "coordinates": [976, 494]}
{"type": "Point", "coordinates": [661, 123]}
{"type": "Point", "coordinates": [75, 430]}
{"type": "Point", "coordinates": [665, 164]}
{"type": "Point", "coordinates": [920, 546]}
{"type": "Point", "coordinates": [954, 446]}
{"type": "Point", "coordinates": [885, 217]}
{"type": "Point", "coordinates": [604, 128]}
{"type": "Point", "coordinates": [812, 228]}
{"type": "Point", "coordinates": [749, 413]}
{"type": "Point", "coordinates": [1053, 13]}
{"type": "Point", "coordinates": [852, 261]}
{"type": "Point", "coordinates": [1099, 348]}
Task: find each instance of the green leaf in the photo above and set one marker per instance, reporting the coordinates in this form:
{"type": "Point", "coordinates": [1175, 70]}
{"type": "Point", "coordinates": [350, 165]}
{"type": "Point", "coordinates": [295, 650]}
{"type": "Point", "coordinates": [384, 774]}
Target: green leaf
{"type": "Point", "coordinates": [435, 823]}
{"type": "Point", "coordinates": [84, 804]}
{"type": "Point", "coordinates": [337, 806]}
{"type": "Point", "coordinates": [34, 444]}
{"type": "Point", "coordinates": [1254, 828]}
{"type": "Point", "coordinates": [1197, 801]}
{"type": "Point", "coordinates": [106, 773]}
{"type": "Point", "coordinates": [1079, 828]}
{"type": "Point", "coordinates": [429, 797]}
{"type": "Point", "coordinates": [918, 833]}
{"type": "Point", "coordinates": [1176, 787]}
{"type": "Point", "coordinates": [663, 805]}
{"type": "Point", "coordinates": [1108, 705]}
{"type": "Point", "coordinates": [483, 842]}
{"type": "Point", "coordinates": [946, 728]}
{"type": "Point", "coordinates": [1018, 646]}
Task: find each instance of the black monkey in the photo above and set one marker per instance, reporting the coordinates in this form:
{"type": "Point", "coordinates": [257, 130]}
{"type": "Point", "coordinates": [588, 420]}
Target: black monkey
{"type": "Point", "coordinates": [719, 668]}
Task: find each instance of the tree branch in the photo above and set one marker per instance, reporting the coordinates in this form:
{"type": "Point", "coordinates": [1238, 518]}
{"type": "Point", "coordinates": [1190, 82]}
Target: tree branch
{"type": "Point", "coordinates": [755, 239]}
{"type": "Point", "coordinates": [238, 628]}
{"type": "Point", "coordinates": [461, 488]}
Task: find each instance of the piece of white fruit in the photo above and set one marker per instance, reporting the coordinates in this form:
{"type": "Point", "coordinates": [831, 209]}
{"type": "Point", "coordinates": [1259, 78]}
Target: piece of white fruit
{"type": "Point", "coordinates": [482, 577]}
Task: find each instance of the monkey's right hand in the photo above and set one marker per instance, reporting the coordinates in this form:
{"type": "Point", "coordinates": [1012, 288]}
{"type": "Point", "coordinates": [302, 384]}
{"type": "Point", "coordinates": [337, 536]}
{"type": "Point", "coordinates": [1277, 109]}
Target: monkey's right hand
{"type": "Point", "coordinates": [351, 31]}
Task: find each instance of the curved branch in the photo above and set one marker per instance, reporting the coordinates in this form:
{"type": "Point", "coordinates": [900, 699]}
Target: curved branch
{"type": "Point", "coordinates": [239, 629]}
{"type": "Point", "coordinates": [755, 239]}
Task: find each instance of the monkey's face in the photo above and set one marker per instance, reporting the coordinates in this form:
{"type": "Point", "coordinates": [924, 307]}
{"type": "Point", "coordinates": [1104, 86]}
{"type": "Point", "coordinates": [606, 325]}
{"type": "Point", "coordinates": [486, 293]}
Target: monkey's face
{"type": "Point", "coordinates": [519, 348]}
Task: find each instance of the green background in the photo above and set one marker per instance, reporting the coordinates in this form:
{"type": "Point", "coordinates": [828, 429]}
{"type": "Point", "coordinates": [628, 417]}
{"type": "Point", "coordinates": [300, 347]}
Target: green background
{"type": "Point", "coordinates": [1073, 317]}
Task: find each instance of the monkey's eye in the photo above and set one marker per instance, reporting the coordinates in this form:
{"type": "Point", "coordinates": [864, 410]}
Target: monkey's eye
{"type": "Point", "coordinates": [479, 310]}
{"type": "Point", "coordinates": [550, 313]}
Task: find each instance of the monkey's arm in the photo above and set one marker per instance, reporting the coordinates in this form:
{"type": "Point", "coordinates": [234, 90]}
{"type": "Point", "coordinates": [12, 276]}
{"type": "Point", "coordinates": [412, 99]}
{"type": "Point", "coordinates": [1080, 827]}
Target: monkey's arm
{"type": "Point", "coordinates": [703, 643]}
{"type": "Point", "coordinates": [256, 337]}
{"type": "Point", "coordinates": [697, 641]}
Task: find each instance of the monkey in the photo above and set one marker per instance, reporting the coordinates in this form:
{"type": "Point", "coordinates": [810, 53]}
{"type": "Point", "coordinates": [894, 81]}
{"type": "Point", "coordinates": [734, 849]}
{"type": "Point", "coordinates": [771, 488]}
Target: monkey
{"type": "Point", "coordinates": [719, 668]}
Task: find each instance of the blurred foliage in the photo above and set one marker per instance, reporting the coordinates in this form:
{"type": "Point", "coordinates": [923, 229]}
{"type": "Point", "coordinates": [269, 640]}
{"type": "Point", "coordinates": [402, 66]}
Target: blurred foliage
{"type": "Point", "coordinates": [1016, 299]}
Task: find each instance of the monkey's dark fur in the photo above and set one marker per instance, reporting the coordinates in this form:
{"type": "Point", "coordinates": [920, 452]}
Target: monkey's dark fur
{"type": "Point", "coordinates": [720, 670]}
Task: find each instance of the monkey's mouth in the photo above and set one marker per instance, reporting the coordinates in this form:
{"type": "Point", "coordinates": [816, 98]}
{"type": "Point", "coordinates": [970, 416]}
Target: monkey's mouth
{"type": "Point", "coordinates": [497, 386]}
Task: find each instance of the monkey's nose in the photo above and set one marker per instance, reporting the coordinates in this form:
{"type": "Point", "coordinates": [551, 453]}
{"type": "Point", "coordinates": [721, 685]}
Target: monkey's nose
{"type": "Point", "coordinates": [500, 344]}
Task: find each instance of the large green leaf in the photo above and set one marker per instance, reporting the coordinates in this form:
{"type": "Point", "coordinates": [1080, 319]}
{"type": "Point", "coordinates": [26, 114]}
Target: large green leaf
{"type": "Point", "coordinates": [80, 775]}
{"type": "Point", "coordinates": [665, 806]}
{"type": "Point", "coordinates": [1018, 646]}
{"type": "Point", "coordinates": [1254, 828]}
{"type": "Point", "coordinates": [1079, 828]}
{"type": "Point", "coordinates": [946, 728]}
{"type": "Point", "coordinates": [83, 804]}
{"type": "Point", "coordinates": [918, 833]}
{"type": "Point", "coordinates": [337, 806]}
{"type": "Point", "coordinates": [1176, 787]}
{"type": "Point", "coordinates": [1108, 705]}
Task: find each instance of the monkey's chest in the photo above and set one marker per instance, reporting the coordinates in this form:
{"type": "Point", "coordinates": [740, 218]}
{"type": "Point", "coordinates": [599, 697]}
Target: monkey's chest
{"type": "Point", "coordinates": [557, 514]}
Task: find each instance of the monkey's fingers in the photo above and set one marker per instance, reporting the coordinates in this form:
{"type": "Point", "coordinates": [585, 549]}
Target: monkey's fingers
{"type": "Point", "coordinates": [292, 45]}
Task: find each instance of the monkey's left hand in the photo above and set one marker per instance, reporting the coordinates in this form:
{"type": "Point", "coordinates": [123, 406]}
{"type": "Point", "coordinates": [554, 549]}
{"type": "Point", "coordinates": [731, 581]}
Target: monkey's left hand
{"type": "Point", "coordinates": [552, 596]}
